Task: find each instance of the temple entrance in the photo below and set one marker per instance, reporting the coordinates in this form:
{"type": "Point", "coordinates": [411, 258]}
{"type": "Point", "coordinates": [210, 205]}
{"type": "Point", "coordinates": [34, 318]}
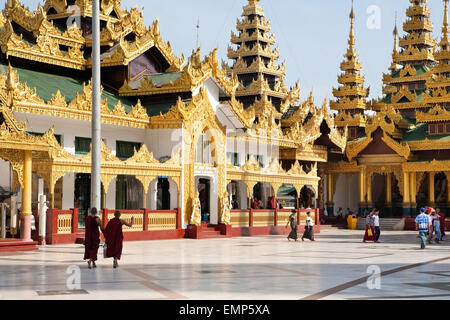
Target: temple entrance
{"type": "Point", "coordinates": [82, 196]}
{"type": "Point", "coordinates": [204, 190]}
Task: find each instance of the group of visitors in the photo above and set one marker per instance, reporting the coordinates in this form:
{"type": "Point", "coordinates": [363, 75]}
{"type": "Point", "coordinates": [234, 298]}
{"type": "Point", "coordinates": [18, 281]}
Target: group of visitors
{"type": "Point", "coordinates": [431, 226]}
{"type": "Point", "coordinates": [373, 230]}
{"type": "Point", "coordinates": [309, 227]}
{"type": "Point", "coordinates": [113, 236]}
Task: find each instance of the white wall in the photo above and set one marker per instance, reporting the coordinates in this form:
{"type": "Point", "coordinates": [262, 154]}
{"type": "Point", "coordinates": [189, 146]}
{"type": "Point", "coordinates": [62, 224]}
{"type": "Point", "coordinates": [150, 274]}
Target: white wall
{"type": "Point", "coordinates": [163, 142]}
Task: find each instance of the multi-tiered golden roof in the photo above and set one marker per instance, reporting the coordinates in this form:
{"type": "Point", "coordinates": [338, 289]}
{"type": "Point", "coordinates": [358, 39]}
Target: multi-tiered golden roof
{"type": "Point", "coordinates": [351, 95]}
{"type": "Point", "coordinates": [405, 85]}
{"type": "Point", "coordinates": [255, 62]}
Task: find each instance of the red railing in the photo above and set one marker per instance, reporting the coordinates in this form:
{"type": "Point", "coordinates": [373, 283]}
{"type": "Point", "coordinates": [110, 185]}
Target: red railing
{"type": "Point", "coordinates": [62, 225]}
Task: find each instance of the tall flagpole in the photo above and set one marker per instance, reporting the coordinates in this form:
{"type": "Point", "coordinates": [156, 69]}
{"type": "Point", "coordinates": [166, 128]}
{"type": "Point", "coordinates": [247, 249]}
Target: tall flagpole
{"type": "Point", "coordinates": [96, 100]}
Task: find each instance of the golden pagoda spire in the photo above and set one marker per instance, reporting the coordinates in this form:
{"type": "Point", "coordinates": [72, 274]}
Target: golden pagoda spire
{"type": "Point", "coordinates": [394, 66]}
{"type": "Point", "coordinates": [254, 59]}
{"type": "Point", "coordinates": [438, 82]}
{"type": "Point", "coordinates": [444, 44]}
{"type": "Point", "coordinates": [351, 40]}
{"type": "Point", "coordinates": [351, 94]}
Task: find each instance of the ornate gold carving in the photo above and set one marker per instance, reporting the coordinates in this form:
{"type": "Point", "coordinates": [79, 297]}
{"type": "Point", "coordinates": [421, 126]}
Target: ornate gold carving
{"type": "Point", "coordinates": [435, 114]}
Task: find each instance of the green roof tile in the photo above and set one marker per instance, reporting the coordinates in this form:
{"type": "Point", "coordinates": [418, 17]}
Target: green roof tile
{"type": "Point", "coordinates": [47, 84]}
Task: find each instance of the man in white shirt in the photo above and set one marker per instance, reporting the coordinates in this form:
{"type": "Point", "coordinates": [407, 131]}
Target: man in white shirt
{"type": "Point", "coordinates": [376, 223]}
{"type": "Point", "coordinates": [309, 228]}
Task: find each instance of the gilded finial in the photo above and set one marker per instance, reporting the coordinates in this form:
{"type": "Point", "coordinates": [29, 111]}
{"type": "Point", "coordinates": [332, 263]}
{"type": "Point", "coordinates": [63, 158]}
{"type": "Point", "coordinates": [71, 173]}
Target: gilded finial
{"type": "Point", "coordinates": [351, 41]}
{"type": "Point", "coordinates": [445, 28]}
{"type": "Point", "coordinates": [395, 33]}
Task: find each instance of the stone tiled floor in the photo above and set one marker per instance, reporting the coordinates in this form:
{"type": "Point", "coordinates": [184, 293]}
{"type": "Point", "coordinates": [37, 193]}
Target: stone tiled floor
{"type": "Point", "coordinates": [333, 267]}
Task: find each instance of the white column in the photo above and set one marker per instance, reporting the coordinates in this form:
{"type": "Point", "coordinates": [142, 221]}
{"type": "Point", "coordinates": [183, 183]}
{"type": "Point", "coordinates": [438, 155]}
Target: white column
{"type": "Point", "coordinates": [68, 191]}
{"type": "Point", "coordinates": [242, 195]}
{"type": "Point", "coordinates": [173, 194]}
{"type": "Point", "coordinates": [96, 102]}
{"type": "Point", "coordinates": [152, 198]}
{"type": "Point", "coordinates": [110, 200]}
{"type": "Point", "coordinates": [214, 214]}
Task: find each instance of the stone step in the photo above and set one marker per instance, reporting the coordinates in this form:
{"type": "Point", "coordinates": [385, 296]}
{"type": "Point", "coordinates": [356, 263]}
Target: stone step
{"type": "Point", "coordinates": [388, 224]}
{"type": "Point", "coordinates": [15, 245]}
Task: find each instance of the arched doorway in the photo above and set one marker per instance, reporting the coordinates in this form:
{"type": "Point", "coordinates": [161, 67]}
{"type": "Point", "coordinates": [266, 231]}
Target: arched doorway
{"type": "Point", "coordinates": [82, 196]}
{"type": "Point", "coordinates": [163, 194]}
{"type": "Point", "coordinates": [307, 197]}
{"type": "Point", "coordinates": [262, 192]}
{"type": "Point", "coordinates": [129, 193]}
{"type": "Point", "coordinates": [204, 190]}
{"type": "Point", "coordinates": [237, 190]}
{"type": "Point", "coordinates": [287, 197]}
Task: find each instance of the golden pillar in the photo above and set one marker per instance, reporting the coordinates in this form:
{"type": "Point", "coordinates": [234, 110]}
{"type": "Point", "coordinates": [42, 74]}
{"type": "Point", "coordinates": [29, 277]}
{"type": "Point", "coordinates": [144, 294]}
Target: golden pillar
{"type": "Point", "coordinates": [362, 190]}
{"type": "Point", "coordinates": [26, 211]}
{"type": "Point", "coordinates": [388, 183]}
{"type": "Point", "coordinates": [388, 189]}
{"type": "Point", "coordinates": [406, 194]}
{"type": "Point", "coordinates": [330, 187]}
{"type": "Point", "coordinates": [431, 189]}
{"type": "Point", "coordinates": [330, 193]}
{"type": "Point", "coordinates": [413, 187]}
{"type": "Point", "coordinates": [369, 190]}
{"type": "Point", "coordinates": [362, 185]}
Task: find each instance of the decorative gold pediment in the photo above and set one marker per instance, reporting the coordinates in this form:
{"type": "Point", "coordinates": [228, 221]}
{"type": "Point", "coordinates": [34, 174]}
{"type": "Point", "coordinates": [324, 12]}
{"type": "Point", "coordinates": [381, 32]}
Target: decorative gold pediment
{"type": "Point", "coordinates": [408, 70]}
{"type": "Point", "coordinates": [143, 156]}
{"type": "Point", "coordinates": [251, 165]}
{"type": "Point", "coordinates": [107, 155]}
{"type": "Point", "coordinates": [296, 169]}
{"type": "Point", "coordinates": [435, 114]}
{"type": "Point", "coordinates": [292, 97]}
{"type": "Point", "coordinates": [403, 93]}
{"type": "Point", "coordinates": [355, 147]}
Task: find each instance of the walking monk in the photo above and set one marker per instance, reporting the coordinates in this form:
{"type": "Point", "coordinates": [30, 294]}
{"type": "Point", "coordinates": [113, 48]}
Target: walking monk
{"type": "Point", "coordinates": [114, 237]}
{"type": "Point", "coordinates": [92, 237]}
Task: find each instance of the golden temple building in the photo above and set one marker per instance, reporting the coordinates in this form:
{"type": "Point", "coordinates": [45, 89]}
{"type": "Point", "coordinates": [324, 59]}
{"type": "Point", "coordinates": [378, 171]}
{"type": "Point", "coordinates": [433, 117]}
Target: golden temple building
{"type": "Point", "coordinates": [397, 159]}
{"type": "Point", "coordinates": [184, 136]}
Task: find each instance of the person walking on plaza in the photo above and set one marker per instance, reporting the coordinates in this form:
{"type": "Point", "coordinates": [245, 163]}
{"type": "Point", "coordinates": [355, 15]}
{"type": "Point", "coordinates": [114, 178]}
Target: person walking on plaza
{"type": "Point", "coordinates": [423, 226]}
{"type": "Point", "coordinates": [293, 222]}
{"type": "Point", "coordinates": [436, 226]}
{"type": "Point", "coordinates": [114, 237]}
{"type": "Point", "coordinates": [441, 223]}
{"type": "Point", "coordinates": [376, 224]}
{"type": "Point", "coordinates": [429, 211]}
{"type": "Point", "coordinates": [369, 235]}
{"type": "Point", "coordinates": [309, 228]}
{"type": "Point", "coordinates": [92, 237]}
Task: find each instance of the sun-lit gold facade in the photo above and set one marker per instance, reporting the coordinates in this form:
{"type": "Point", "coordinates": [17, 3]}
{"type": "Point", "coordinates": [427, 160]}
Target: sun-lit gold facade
{"type": "Point", "coordinates": [46, 65]}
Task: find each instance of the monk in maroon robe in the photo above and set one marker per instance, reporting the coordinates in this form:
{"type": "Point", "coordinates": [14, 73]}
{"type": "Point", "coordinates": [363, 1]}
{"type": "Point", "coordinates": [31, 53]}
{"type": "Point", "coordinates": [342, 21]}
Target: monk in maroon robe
{"type": "Point", "coordinates": [273, 202]}
{"type": "Point", "coordinates": [92, 237]}
{"type": "Point", "coordinates": [114, 237]}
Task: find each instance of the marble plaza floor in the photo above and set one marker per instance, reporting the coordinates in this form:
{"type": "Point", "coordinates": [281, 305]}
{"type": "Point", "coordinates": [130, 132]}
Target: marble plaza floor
{"type": "Point", "coordinates": [269, 267]}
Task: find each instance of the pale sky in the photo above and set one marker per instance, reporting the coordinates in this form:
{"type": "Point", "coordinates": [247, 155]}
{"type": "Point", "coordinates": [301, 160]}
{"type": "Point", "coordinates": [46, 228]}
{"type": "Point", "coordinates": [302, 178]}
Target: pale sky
{"type": "Point", "coordinates": [311, 34]}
